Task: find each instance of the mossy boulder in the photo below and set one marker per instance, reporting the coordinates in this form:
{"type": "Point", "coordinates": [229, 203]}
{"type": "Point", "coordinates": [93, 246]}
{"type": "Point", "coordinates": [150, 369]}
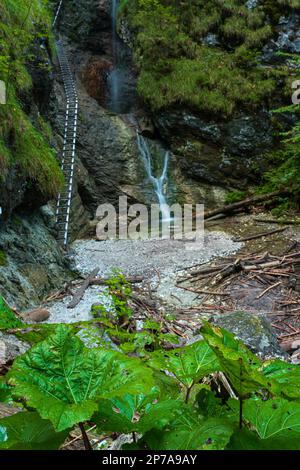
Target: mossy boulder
{"type": "Point", "coordinates": [255, 331]}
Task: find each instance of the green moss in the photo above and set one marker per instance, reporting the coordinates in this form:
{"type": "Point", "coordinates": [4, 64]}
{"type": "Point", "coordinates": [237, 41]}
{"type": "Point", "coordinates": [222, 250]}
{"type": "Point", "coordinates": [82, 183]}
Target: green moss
{"type": "Point", "coordinates": [234, 196]}
{"type": "Point", "coordinates": [8, 319]}
{"type": "Point", "coordinates": [22, 143]}
{"type": "Point", "coordinates": [176, 67]}
{"type": "Point", "coordinates": [3, 258]}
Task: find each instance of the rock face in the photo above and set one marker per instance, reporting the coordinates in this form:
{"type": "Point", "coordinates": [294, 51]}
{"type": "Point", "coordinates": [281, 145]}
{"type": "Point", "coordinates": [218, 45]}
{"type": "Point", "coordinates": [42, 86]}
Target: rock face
{"type": "Point", "coordinates": [222, 153]}
{"type": "Point", "coordinates": [11, 347]}
{"type": "Point", "coordinates": [15, 188]}
{"type": "Point", "coordinates": [253, 330]}
{"type": "Point", "coordinates": [227, 154]}
{"type": "Point", "coordinates": [34, 263]}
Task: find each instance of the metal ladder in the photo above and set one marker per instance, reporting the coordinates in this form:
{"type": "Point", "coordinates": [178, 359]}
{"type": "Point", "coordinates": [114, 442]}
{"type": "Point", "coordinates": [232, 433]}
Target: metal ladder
{"type": "Point", "coordinates": [69, 146]}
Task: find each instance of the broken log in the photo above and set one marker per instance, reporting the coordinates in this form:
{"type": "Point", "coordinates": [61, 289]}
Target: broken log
{"type": "Point", "coordinates": [229, 208]}
{"type": "Point", "coordinates": [102, 281]}
{"type": "Point", "coordinates": [260, 235]}
{"type": "Point", "coordinates": [80, 292]}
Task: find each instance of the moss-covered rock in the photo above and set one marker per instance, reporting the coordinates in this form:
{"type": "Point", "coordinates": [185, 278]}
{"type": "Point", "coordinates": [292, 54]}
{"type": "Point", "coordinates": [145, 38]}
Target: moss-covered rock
{"type": "Point", "coordinates": [255, 331]}
{"type": "Point", "coordinates": [27, 161]}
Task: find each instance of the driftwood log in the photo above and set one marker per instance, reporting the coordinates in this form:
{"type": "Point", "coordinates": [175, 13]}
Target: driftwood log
{"type": "Point", "coordinates": [92, 280]}
{"type": "Point", "coordinates": [80, 292]}
{"type": "Point", "coordinates": [229, 208]}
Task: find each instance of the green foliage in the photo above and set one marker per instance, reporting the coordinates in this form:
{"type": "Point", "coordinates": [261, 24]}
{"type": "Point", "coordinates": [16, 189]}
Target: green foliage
{"type": "Point", "coordinates": [27, 431]}
{"type": "Point", "coordinates": [275, 424]}
{"type": "Point", "coordinates": [188, 364]}
{"type": "Point", "coordinates": [23, 143]}
{"type": "Point", "coordinates": [178, 67]}
{"type": "Point", "coordinates": [116, 321]}
{"type": "Point", "coordinates": [189, 431]}
{"type": "Point", "coordinates": [234, 196]}
{"type": "Point", "coordinates": [8, 319]}
{"type": "Point", "coordinates": [285, 172]}
{"type": "Point", "coordinates": [68, 384]}
{"type": "Point", "coordinates": [239, 364]}
{"type": "Point", "coordinates": [3, 258]}
{"type": "Point", "coordinates": [63, 379]}
{"type": "Point", "coordinates": [283, 378]}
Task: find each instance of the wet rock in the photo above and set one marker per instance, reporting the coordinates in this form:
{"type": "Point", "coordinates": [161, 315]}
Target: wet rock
{"type": "Point", "coordinates": [95, 78]}
{"type": "Point", "coordinates": [37, 315]}
{"type": "Point", "coordinates": [35, 263]}
{"type": "Point", "coordinates": [255, 331]}
{"type": "Point", "coordinates": [222, 153]}
{"type": "Point", "coordinates": [289, 36]}
{"type": "Point", "coordinates": [249, 134]}
{"type": "Point", "coordinates": [287, 40]}
{"type": "Point", "coordinates": [11, 347]}
{"type": "Point", "coordinates": [211, 40]}
{"type": "Point", "coordinates": [88, 23]}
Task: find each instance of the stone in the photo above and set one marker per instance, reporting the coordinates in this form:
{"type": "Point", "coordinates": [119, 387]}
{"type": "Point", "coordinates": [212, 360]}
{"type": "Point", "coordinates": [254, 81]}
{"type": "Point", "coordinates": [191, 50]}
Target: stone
{"type": "Point", "coordinates": [35, 263]}
{"type": "Point", "coordinates": [11, 347]}
{"type": "Point", "coordinates": [37, 315]}
{"type": "Point", "coordinates": [254, 330]}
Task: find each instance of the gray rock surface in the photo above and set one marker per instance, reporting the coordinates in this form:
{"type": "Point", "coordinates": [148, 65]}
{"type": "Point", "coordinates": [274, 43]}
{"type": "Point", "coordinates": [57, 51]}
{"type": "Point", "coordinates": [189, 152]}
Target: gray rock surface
{"type": "Point", "coordinates": [34, 265]}
{"type": "Point", "coordinates": [11, 347]}
{"type": "Point", "coordinates": [255, 331]}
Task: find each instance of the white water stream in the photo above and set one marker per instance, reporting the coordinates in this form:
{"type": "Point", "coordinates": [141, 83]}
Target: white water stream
{"type": "Point", "coordinates": [159, 183]}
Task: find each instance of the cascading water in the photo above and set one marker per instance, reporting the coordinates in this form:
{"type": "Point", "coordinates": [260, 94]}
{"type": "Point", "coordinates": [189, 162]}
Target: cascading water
{"type": "Point", "coordinates": [114, 77]}
{"type": "Point", "coordinates": [159, 183]}
{"type": "Point", "coordinates": [122, 99]}
{"type": "Point", "coordinates": [121, 82]}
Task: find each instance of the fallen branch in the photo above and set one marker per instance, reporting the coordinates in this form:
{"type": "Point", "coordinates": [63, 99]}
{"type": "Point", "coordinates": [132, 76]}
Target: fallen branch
{"type": "Point", "coordinates": [80, 293]}
{"type": "Point", "coordinates": [260, 235]}
{"type": "Point", "coordinates": [241, 204]}
{"type": "Point", "coordinates": [268, 289]}
{"type": "Point", "coordinates": [102, 281]}
{"type": "Point", "coordinates": [278, 221]}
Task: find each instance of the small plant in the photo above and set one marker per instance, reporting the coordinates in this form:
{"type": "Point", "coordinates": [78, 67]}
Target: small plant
{"type": "Point", "coordinates": [234, 196]}
{"type": "Point", "coordinates": [3, 258]}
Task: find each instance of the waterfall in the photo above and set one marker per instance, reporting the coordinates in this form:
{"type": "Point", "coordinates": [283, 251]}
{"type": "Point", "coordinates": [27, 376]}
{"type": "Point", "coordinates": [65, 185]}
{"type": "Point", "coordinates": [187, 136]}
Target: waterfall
{"type": "Point", "coordinates": [157, 182]}
{"type": "Point", "coordinates": [114, 79]}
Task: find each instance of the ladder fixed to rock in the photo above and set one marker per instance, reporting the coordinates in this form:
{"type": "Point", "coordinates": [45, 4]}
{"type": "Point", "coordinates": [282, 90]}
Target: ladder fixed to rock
{"type": "Point", "coordinates": [69, 148]}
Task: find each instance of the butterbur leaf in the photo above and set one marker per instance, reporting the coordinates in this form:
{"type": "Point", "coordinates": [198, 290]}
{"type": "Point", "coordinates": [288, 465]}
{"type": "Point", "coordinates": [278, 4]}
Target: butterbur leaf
{"type": "Point", "coordinates": [239, 364]}
{"type": "Point", "coordinates": [63, 380]}
{"type": "Point", "coordinates": [189, 431]}
{"type": "Point", "coordinates": [276, 423]}
{"type": "Point", "coordinates": [27, 431]}
{"type": "Point", "coordinates": [283, 378]}
{"type": "Point", "coordinates": [122, 414]}
{"type": "Point", "coordinates": [243, 439]}
{"type": "Point", "coordinates": [208, 404]}
{"type": "Point", "coordinates": [138, 414]}
{"type": "Point", "coordinates": [5, 392]}
{"type": "Point", "coordinates": [189, 364]}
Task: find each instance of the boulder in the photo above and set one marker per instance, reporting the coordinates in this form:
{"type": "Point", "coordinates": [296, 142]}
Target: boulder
{"type": "Point", "coordinates": [11, 347]}
{"type": "Point", "coordinates": [255, 332]}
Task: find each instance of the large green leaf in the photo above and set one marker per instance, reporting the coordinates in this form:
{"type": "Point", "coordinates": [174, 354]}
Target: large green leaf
{"type": "Point", "coordinates": [190, 431]}
{"type": "Point", "coordinates": [239, 364]}
{"type": "Point", "coordinates": [243, 439]}
{"type": "Point", "coordinates": [5, 391]}
{"type": "Point", "coordinates": [283, 378]}
{"type": "Point", "coordinates": [276, 422]}
{"type": "Point", "coordinates": [137, 414]}
{"type": "Point", "coordinates": [64, 380]}
{"type": "Point", "coordinates": [188, 364]}
{"type": "Point", "coordinates": [8, 319]}
{"type": "Point", "coordinates": [27, 431]}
